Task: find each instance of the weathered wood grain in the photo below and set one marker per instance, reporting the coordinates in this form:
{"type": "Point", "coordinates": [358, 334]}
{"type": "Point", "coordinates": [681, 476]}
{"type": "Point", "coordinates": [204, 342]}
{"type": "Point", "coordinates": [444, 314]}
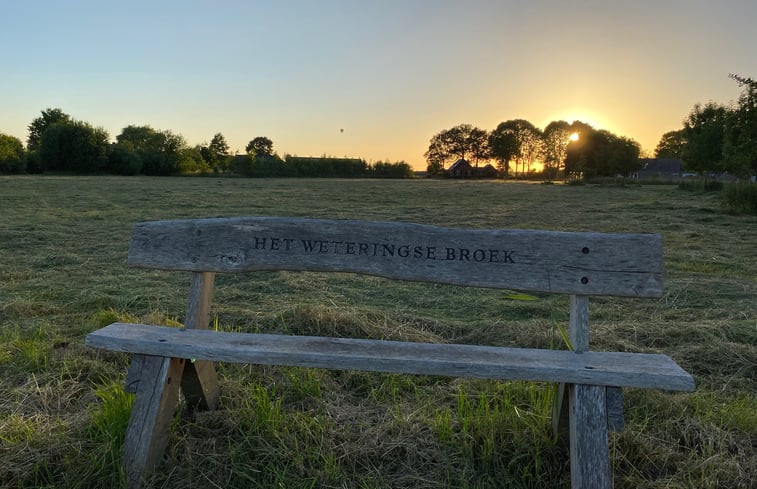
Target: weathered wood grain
{"type": "Point", "coordinates": [198, 302]}
{"type": "Point", "coordinates": [131, 384]}
{"type": "Point", "coordinates": [599, 368]}
{"type": "Point", "coordinates": [151, 414]}
{"type": "Point", "coordinates": [199, 384]}
{"type": "Point", "coordinates": [578, 336]}
{"type": "Point", "coordinates": [615, 419]}
{"type": "Point", "coordinates": [578, 332]}
{"type": "Point", "coordinates": [589, 446]}
{"type": "Point", "coordinates": [547, 261]}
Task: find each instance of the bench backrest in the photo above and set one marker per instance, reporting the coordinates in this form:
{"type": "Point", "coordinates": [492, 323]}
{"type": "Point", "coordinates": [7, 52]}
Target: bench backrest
{"type": "Point", "coordinates": [542, 261]}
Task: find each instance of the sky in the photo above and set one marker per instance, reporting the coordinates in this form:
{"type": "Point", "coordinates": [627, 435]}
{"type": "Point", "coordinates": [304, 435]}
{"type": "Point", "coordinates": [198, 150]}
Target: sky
{"type": "Point", "coordinates": [370, 79]}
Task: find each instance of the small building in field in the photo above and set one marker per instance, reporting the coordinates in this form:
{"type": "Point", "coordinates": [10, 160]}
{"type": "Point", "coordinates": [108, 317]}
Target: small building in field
{"type": "Point", "coordinates": [460, 169]}
{"type": "Point", "coordinates": [659, 169]}
{"type": "Point", "coordinates": [463, 169]}
{"type": "Point", "coordinates": [487, 171]}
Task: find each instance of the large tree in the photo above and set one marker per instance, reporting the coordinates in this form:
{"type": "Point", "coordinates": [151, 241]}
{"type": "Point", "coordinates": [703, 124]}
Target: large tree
{"type": "Point", "coordinates": [576, 151]}
{"type": "Point", "coordinates": [704, 130]}
{"type": "Point", "coordinates": [740, 144]}
{"type": "Point", "coordinates": [504, 146]}
{"type": "Point", "coordinates": [260, 145]}
{"type": "Point", "coordinates": [219, 146]}
{"type": "Point", "coordinates": [516, 140]}
{"type": "Point", "coordinates": [556, 138]}
{"type": "Point", "coordinates": [143, 138]}
{"type": "Point", "coordinates": [39, 125]}
{"type": "Point", "coordinates": [167, 158]}
{"type": "Point", "coordinates": [478, 145]}
{"type": "Point", "coordinates": [462, 141]}
{"type": "Point", "coordinates": [672, 145]}
{"type": "Point", "coordinates": [159, 152]}
{"type": "Point", "coordinates": [601, 154]}
{"type": "Point", "coordinates": [717, 138]}
{"type": "Point", "coordinates": [216, 154]}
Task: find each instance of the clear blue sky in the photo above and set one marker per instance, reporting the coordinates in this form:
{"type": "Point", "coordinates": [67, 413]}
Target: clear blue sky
{"type": "Point", "coordinates": [390, 73]}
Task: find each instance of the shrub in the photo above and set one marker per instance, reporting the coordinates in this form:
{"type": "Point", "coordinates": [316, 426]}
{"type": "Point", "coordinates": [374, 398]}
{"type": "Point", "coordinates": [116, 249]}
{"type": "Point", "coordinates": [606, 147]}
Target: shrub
{"type": "Point", "coordinates": [34, 162]}
{"type": "Point", "coordinates": [399, 169]}
{"type": "Point", "coordinates": [74, 147]}
{"type": "Point", "coordinates": [124, 160]}
{"type": "Point", "coordinates": [741, 198]}
{"type": "Point", "coordinates": [12, 159]}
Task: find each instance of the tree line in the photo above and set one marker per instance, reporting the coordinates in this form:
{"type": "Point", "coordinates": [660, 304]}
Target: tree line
{"type": "Point", "coordinates": [58, 142]}
{"type": "Point", "coordinates": [717, 138]}
{"type": "Point", "coordinates": [576, 149]}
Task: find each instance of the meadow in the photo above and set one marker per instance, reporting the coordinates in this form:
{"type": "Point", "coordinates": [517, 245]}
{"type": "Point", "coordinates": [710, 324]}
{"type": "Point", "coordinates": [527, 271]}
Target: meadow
{"type": "Point", "coordinates": [63, 411]}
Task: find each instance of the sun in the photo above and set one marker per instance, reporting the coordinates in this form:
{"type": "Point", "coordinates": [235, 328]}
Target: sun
{"type": "Point", "coordinates": [574, 136]}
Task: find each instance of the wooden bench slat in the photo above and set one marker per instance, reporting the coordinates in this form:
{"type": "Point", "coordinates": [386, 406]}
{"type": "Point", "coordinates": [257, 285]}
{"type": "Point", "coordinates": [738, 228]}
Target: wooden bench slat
{"type": "Point", "coordinates": [529, 260]}
{"type": "Point", "coordinates": [596, 368]}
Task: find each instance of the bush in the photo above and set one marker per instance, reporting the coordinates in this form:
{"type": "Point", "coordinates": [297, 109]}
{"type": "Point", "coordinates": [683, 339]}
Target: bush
{"type": "Point", "coordinates": [74, 147]}
{"type": "Point", "coordinates": [326, 166]}
{"type": "Point", "coordinates": [399, 169]}
{"type": "Point", "coordinates": [124, 160]}
{"type": "Point", "coordinates": [12, 158]}
{"type": "Point", "coordinates": [741, 198]}
{"type": "Point", "coordinates": [192, 162]}
{"type": "Point", "coordinates": [260, 166]}
{"type": "Point", "coordinates": [33, 162]}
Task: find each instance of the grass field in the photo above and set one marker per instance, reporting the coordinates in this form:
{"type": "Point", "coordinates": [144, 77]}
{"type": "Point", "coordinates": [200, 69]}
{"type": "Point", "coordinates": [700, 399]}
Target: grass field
{"type": "Point", "coordinates": [63, 244]}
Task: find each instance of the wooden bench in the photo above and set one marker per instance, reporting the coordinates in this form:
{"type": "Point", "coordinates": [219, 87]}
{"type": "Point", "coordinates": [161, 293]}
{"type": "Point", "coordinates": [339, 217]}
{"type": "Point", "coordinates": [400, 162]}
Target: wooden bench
{"type": "Point", "coordinates": [579, 264]}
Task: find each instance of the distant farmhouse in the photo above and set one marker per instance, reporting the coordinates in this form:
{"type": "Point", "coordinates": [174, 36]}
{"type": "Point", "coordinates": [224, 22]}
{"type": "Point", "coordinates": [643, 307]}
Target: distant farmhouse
{"type": "Point", "coordinates": [660, 169]}
{"type": "Point", "coordinates": [463, 169]}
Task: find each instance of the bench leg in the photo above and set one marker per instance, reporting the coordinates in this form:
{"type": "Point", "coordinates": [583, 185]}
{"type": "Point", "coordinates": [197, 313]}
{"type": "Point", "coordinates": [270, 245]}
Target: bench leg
{"type": "Point", "coordinates": [560, 409]}
{"type": "Point", "coordinates": [589, 446]}
{"type": "Point", "coordinates": [615, 420]}
{"type": "Point", "coordinates": [579, 340]}
{"type": "Point", "coordinates": [157, 394]}
{"type": "Point", "coordinates": [200, 382]}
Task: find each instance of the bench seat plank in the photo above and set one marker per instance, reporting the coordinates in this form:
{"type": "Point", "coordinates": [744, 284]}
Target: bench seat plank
{"type": "Point", "coordinates": [596, 368]}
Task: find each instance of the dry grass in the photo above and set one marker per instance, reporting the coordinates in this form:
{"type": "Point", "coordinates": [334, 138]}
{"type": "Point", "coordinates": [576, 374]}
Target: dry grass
{"type": "Point", "coordinates": [63, 243]}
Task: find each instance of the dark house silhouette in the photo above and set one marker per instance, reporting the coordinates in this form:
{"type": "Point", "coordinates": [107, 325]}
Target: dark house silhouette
{"type": "Point", "coordinates": [463, 169]}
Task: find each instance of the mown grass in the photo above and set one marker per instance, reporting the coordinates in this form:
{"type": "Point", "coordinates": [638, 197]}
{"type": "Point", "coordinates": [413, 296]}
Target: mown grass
{"type": "Point", "coordinates": [63, 244]}
{"type": "Point", "coordinates": [741, 198]}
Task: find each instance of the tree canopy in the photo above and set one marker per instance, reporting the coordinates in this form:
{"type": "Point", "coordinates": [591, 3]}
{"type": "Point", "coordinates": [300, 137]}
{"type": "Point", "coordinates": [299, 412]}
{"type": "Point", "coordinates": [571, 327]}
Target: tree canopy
{"type": "Point", "coordinates": [516, 140]}
{"type": "Point", "coordinates": [556, 137]}
{"type": "Point", "coordinates": [462, 141]}
{"type": "Point", "coordinates": [716, 138]}
{"type": "Point", "coordinates": [144, 149]}
{"type": "Point", "coordinates": [39, 125]}
{"type": "Point", "coordinates": [704, 130]}
{"type": "Point", "coordinates": [740, 145]}
{"type": "Point", "coordinates": [671, 145]}
{"type": "Point", "coordinates": [11, 154]}
{"type": "Point", "coordinates": [260, 145]}
{"type": "Point", "coordinates": [504, 146]}
{"type": "Point", "coordinates": [74, 146]}
{"type": "Point", "coordinates": [600, 154]}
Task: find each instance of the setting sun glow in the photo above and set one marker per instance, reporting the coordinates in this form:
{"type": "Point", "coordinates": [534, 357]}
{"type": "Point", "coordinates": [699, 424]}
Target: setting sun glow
{"type": "Point", "coordinates": [573, 137]}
